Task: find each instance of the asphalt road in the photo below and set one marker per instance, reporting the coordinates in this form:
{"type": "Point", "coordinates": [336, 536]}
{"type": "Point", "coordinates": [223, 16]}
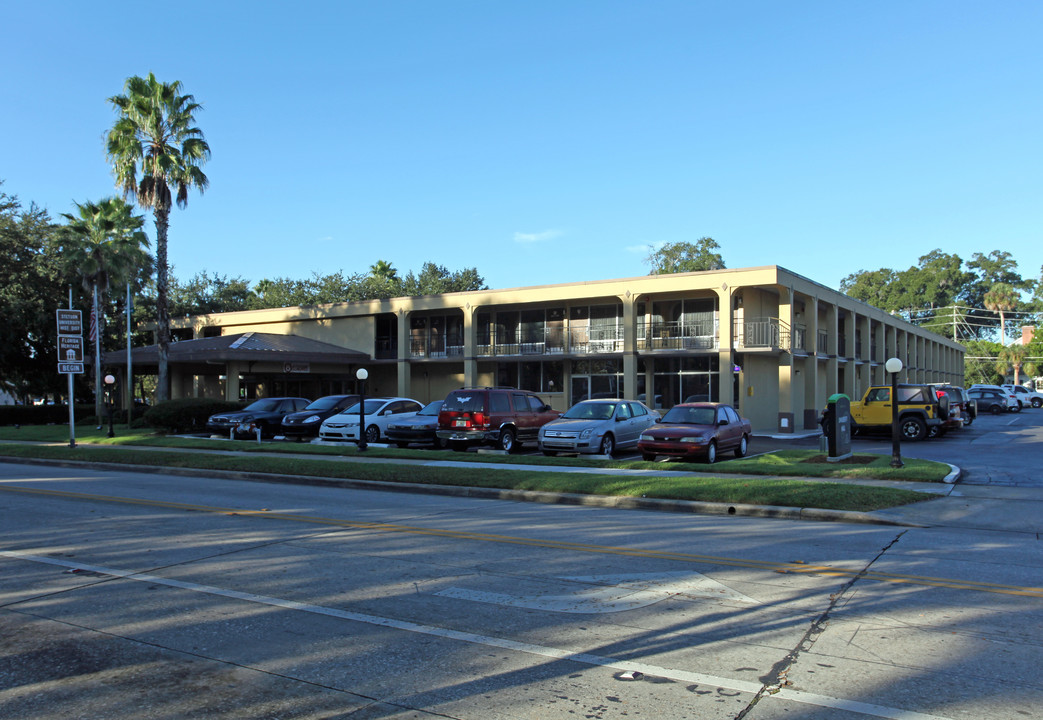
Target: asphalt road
{"type": "Point", "coordinates": [128, 595]}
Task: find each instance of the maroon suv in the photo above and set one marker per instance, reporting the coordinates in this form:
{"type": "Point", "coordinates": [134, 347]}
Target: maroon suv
{"type": "Point", "coordinates": [499, 416]}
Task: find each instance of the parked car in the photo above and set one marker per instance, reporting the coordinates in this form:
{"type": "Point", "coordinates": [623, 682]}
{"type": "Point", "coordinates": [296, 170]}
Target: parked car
{"type": "Point", "coordinates": [499, 416]}
{"type": "Point", "coordinates": [958, 413]}
{"type": "Point", "coordinates": [1012, 401]}
{"type": "Point", "coordinates": [1025, 396]}
{"type": "Point", "coordinates": [265, 414]}
{"type": "Point", "coordinates": [697, 430]}
{"type": "Point", "coordinates": [379, 412]}
{"type": "Point", "coordinates": [305, 424]}
{"type": "Point", "coordinates": [597, 426]}
{"type": "Point", "coordinates": [420, 428]}
{"type": "Point", "coordinates": [989, 400]}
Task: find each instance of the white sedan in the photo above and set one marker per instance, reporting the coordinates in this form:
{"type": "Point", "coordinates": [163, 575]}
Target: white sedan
{"type": "Point", "coordinates": [378, 412]}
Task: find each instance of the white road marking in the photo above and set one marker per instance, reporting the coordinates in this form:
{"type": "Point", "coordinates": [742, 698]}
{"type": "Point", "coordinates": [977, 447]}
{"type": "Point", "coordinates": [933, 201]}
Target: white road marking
{"type": "Point", "coordinates": [685, 676]}
{"type": "Point", "coordinates": [610, 593]}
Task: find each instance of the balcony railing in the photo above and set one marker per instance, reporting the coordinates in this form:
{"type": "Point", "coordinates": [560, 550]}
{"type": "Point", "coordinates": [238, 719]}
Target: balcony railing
{"type": "Point", "coordinates": [770, 333]}
{"type": "Point", "coordinates": [676, 335]}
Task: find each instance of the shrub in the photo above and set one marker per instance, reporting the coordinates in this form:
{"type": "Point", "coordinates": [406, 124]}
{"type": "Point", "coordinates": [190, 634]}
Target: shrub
{"type": "Point", "coordinates": [43, 414]}
{"type": "Point", "coordinates": [187, 414]}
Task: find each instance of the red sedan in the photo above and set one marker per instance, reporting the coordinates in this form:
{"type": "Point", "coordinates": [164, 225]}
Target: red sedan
{"type": "Point", "coordinates": [699, 429]}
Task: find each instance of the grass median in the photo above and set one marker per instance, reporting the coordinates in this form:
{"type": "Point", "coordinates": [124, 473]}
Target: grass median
{"type": "Point", "coordinates": [715, 483]}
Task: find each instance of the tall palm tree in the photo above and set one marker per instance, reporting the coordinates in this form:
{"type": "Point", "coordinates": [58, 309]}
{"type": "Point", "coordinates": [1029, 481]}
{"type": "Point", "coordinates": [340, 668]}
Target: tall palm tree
{"type": "Point", "coordinates": [155, 134]}
{"type": "Point", "coordinates": [103, 242]}
{"type": "Point", "coordinates": [383, 270]}
{"type": "Point", "coordinates": [1011, 358]}
{"type": "Point", "coordinates": [1001, 298]}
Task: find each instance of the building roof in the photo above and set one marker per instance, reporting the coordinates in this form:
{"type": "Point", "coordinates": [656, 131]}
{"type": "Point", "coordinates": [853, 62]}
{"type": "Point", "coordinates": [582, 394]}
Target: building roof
{"type": "Point", "coordinates": [248, 347]}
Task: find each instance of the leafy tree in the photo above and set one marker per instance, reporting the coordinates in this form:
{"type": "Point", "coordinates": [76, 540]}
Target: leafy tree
{"type": "Point", "coordinates": [679, 257]}
{"type": "Point", "coordinates": [879, 288]}
{"type": "Point", "coordinates": [155, 134]}
{"type": "Point", "coordinates": [436, 279]}
{"type": "Point", "coordinates": [1011, 357]}
{"type": "Point", "coordinates": [1001, 298]}
{"type": "Point", "coordinates": [102, 243]}
{"type": "Point", "coordinates": [204, 294]}
{"type": "Point", "coordinates": [33, 285]}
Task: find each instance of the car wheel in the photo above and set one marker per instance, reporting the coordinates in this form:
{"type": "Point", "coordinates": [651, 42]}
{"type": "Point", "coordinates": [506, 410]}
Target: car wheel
{"type": "Point", "coordinates": [608, 445]}
{"type": "Point", "coordinates": [968, 421]}
{"type": "Point", "coordinates": [711, 453]}
{"type": "Point", "coordinates": [743, 447]}
{"type": "Point", "coordinates": [441, 444]}
{"type": "Point", "coordinates": [995, 409]}
{"type": "Point", "coordinates": [507, 443]}
{"type": "Point", "coordinates": [1036, 402]}
{"type": "Point", "coordinates": [913, 429]}
{"type": "Point", "coordinates": [648, 457]}
{"type": "Point", "coordinates": [372, 434]}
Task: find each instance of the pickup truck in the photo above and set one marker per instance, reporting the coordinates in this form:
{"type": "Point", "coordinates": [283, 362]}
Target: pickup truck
{"type": "Point", "coordinates": [921, 411]}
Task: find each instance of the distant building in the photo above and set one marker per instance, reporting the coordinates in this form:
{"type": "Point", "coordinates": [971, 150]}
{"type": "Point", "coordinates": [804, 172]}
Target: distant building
{"type": "Point", "coordinates": [774, 344]}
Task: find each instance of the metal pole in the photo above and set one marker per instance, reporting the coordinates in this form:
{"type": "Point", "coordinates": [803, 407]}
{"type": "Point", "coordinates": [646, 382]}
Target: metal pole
{"type": "Point", "coordinates": [130, 372]}
{"type": "Point", "coordinates": [896, 437]}
{"type": "Point", "coordinates": [72, 403]}
{"type": "Point", "coordinates": [97, 358]}
{"type": "Point", "coordinates": [362, 416]}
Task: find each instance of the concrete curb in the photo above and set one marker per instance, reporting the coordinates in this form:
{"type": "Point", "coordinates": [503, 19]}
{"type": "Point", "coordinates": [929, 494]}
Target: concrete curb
{"type": "Point", "coordinates": [602, 501]}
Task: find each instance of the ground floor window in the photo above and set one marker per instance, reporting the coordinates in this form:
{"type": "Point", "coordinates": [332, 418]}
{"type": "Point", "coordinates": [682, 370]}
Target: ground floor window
{"type": "Point", "coordinates": [686, 379]}
{"type": "Point", "coordinates": [595, 379]}
{"type": "Point", "coordinates": [534, 376]}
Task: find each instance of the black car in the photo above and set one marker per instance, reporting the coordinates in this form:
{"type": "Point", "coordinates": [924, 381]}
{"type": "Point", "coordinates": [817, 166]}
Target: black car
{"type": "Point", "coordinates": [265, 414]}
{"type": "Point", "coordinates": [305, 424]}
{"type": "Point", "coordinates": [419, 428]}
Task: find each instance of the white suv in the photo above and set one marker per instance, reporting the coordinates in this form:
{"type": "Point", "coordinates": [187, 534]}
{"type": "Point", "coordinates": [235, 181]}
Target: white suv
{"type": "Point", "coordinates": [1025, 396]}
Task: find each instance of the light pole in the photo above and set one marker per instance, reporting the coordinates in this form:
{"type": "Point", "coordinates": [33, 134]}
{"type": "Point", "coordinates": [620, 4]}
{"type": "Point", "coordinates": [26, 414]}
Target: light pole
{"type": "Point", "coordinates": [894, 366]}
{"type": "Point", "coordinates": [361, 374]}
{"type": "Point", "coordinates": [110, 383]}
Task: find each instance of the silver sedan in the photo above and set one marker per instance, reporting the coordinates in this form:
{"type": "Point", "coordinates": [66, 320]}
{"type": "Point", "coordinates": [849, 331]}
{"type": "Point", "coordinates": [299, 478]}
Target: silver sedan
{"type": "Point", "coordinates": [597, 426]}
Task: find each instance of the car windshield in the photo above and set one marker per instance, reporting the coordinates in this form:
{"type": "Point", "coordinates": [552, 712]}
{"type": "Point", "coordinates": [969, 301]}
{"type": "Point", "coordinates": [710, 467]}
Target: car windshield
{"type": "Point", "coordinates": [265, 405]}
{"type": "Point", "coordinates": [372, 406]}
{"type": "Point", "coordinates": [590, 411]}
{"type": "Point", "coordinates": [324, 403]}
{"type": "Point", "coordinates": [432, 408]}
{"type": "Point", "coordinates": [690, 415]}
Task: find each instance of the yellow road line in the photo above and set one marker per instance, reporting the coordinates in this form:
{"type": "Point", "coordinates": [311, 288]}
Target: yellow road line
{"type": "Point", "coordinates": [778, 567]}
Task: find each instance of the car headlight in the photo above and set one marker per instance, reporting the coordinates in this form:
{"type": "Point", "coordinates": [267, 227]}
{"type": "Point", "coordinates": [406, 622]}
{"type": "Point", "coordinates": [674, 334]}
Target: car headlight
{"type": "Point", "coordinates": [697, 439]}
{"type": "Point", "coordinates": [311, 419]}
{"type": "Point", "coordinates": [645, 438]}
{"type": "Point", "coordinates": [586, 433]}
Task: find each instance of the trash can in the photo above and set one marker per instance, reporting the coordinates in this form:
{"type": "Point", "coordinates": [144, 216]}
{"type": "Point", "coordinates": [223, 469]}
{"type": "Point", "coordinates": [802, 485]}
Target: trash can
{"type": "Point", "coordinates": [836, 425]}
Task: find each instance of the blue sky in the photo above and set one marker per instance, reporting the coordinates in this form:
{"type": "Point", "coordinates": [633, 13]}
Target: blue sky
{"type": "Point", "coordinates": [554, 141]}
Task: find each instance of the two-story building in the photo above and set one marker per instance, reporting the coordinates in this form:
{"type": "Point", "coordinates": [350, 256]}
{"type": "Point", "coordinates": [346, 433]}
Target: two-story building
{"type": "Point", "coordinates": [774, 344]}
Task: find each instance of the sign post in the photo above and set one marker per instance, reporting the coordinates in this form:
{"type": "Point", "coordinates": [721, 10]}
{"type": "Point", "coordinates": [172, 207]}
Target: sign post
{"type": "Point", "coordinates": [70, 356]}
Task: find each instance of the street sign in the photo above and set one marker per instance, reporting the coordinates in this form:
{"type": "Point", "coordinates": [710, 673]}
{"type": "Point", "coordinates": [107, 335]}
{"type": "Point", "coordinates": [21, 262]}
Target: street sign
{"type": "Point", "coordinates": [70, 367]}
{"type": "Point", "coordinates": [70, 349]}
{"type": "Point", "coordinates": [70, 322]}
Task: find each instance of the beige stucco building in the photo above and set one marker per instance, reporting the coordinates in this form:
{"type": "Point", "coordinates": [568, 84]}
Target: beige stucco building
{"type": "Point", "coordinates": [771, 342]}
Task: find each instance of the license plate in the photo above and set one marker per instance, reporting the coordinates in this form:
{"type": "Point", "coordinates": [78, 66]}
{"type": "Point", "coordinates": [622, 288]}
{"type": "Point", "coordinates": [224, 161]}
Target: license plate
{"type": "Point", "coordinates": [460, 423]}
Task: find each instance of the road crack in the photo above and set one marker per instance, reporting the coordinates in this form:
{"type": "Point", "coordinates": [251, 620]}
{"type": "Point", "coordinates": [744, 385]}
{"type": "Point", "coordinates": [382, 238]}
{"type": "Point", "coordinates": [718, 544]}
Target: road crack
{"type": "Point", "coordinates": [776, 678]}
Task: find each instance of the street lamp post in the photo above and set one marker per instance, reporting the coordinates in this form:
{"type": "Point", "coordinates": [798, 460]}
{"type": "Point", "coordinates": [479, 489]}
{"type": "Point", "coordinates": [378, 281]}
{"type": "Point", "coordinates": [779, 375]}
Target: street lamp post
{"type": "Point", "coordinates": [110, 383]}
{"type": "Point", "coordinates": [894, 366]}
{"type": "Point", "coordinates": [361, 374]}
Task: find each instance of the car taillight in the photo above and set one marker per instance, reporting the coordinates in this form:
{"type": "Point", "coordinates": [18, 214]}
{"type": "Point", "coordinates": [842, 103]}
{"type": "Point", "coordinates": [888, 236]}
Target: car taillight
{"type": "Point", "coordinates": [480, 420]}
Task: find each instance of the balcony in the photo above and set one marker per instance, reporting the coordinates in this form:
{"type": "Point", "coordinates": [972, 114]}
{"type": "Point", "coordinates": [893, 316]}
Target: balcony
{"type": "Point", "coordinates": [677, 335]}
{"type": "Point", "coordinates": [761, 334]}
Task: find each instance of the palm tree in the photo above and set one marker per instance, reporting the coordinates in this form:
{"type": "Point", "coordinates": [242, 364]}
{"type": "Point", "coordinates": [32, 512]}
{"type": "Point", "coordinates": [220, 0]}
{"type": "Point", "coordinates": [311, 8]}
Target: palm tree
{"type": "Point", "coordinates": [103, 243]}
{"type": "Point", "coordinates": [384, 271]}
{"type": "Point", "coordinates": [1001, 298]}
{"type": "Point", "coordinates": [1012, 357]}
{"type": "Point", "coordinates": [156, 131]}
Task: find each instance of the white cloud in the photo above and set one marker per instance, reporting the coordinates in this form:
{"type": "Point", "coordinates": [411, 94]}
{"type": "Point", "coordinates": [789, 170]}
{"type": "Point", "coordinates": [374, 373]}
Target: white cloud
{"type": "Point", "coordinates": [521, 237]}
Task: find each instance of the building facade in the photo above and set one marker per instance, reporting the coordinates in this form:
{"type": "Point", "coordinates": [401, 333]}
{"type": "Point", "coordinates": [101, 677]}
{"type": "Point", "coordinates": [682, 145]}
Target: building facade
{"type": "Point", "coordinates": [770, 342]}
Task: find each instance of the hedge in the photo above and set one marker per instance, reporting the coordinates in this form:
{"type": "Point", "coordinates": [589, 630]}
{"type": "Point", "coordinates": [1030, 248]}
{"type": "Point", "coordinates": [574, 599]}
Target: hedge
{"type": "Point", "coordinates": [187, 414]}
